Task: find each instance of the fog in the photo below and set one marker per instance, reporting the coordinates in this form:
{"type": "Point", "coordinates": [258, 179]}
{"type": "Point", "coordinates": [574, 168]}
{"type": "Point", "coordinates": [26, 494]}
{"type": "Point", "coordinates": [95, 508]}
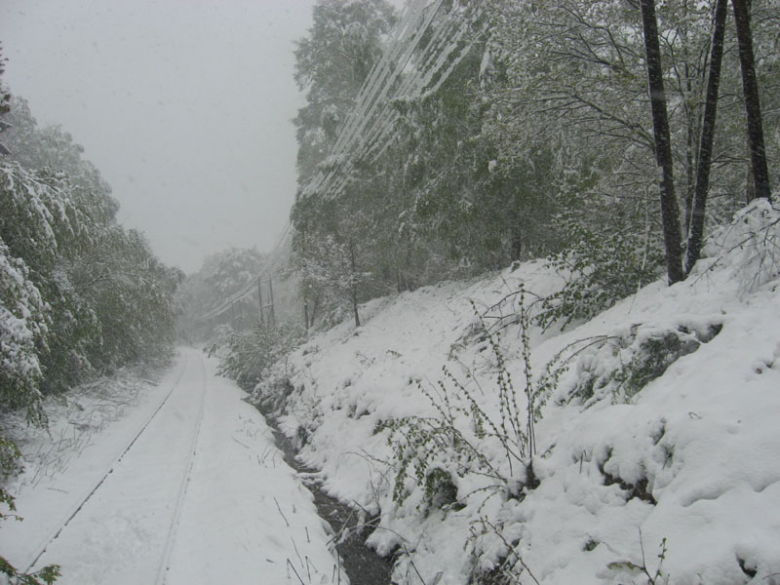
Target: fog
{"type": "Point", "coordinates": [184, 106]}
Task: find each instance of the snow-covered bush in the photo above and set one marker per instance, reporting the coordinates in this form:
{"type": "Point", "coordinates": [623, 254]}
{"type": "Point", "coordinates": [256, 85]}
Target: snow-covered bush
{"type": "Point", "coordinates": [618, 366]}
{"type": "Point", "coordinates": [749, 247]}
{"type": "Point", "coordinates": [599, 269]}
{"type": "Point", "coordinates": [248, 354]}
{"type": "Point", "coordinates": [463, 438]}
{"type": "Point", "coordinates": [24, 323]}
{"type": "Point", "coordinates": [9, 466]}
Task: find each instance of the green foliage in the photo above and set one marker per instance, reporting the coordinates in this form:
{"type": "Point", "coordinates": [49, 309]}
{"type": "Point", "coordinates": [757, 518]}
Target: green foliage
{"type": "Point", "coordinates": [599, 268]}
{"type": "Point", "coordinates": [248, 354]}
{"type": "Point", "coordinates": [45, 576]}
{"type": "Point", "coordinates": [475, 173]}
{"type": "Point", "coordinates": [331, 64]}
{"type": "Point", "coordinates": [80, 295]}
{"type": "Point", "coordinates": [24, 323]}
{"type": "Point", "coordinates": [453, 443]}
{"type": "Point", "coordinates": [9, 465]}
{"type": "Point", "coordinates": [652, 359]}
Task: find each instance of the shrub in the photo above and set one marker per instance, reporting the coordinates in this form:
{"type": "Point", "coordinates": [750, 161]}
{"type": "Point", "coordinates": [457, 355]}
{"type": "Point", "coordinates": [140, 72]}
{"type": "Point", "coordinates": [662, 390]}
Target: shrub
{"type": "Point", "coordinates": [248, 354]}
{"type": "Point", "coordinates": [9, 465]}
{"type": "Point", "coordinates": [451, 444]}
{"type": "Point", "coordinates": [599, 270]}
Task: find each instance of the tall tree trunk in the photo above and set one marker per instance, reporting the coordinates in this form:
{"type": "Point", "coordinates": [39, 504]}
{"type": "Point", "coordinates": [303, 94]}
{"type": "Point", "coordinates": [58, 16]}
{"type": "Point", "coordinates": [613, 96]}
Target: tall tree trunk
{"type": "Point", "coordinates": [752, 103]}
{"type": "Point", "coordinates": [690, 172]}
{"type": "Point", "coordinates": [696, 229]}
{"type": "Point", "coordinates": [670, 212]}
{"type": "Point", "coordinates": [353, 283]}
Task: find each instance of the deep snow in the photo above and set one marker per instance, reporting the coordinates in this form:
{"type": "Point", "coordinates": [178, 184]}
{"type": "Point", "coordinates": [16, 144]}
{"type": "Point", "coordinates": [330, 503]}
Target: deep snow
{"type": "Point", "coordinates": [201, 495]}
{"type": "Point", "coordinates": [685, 467]}
{"type": "Point", "coordinates": [674, 478]}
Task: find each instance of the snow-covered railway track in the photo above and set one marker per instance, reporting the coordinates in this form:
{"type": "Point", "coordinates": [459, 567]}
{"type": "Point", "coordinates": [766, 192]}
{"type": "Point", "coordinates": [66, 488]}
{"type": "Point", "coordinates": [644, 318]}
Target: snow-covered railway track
{"type": "Point", "coordinates": [162, 571]}
{"type": "Point", "coordinates": [40, 549]}
{"type": "Point", "coordinates": [140, 494]}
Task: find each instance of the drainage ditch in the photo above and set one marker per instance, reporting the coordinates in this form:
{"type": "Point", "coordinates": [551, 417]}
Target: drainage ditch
{"type": "Point", "coordinates": [361, 563]}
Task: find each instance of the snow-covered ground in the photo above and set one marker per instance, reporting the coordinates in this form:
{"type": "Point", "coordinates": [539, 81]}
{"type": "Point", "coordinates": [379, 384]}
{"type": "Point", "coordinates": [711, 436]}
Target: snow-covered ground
{"type": "Point", "coordinates": [183, 485]}
{"type": "Point", "coordinates": [639, 477]}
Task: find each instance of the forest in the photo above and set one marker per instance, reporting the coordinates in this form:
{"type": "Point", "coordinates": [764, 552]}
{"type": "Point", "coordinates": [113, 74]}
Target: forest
{"type": "Point", "coordinates": [455, 146]}
{"type": "Point", "coordinates": [80, 296]}
{"type": "Point", "coordinates": [462, 137]}
{"type": "Point", "coordinates": [516, 130]}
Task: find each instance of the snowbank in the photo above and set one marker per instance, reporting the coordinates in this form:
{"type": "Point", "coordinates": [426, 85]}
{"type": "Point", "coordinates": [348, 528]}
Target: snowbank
{"type": "Point", "coordinates": [657, 448]}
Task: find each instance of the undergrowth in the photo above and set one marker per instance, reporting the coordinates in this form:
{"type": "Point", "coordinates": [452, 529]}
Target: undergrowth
{"type": "Point", "coordinates": [9, 465]}
{"type": "Point", "coordinates": [599, 270]}
{"type": "Point", "coordinates": [461, 439]}
{"type": "Point", "coordinates": [248, 354]}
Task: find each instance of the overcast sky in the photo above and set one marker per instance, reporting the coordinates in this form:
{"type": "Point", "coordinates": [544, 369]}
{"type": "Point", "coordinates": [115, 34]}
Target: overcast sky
{"type": "Point", "coordinates": [185, 106]}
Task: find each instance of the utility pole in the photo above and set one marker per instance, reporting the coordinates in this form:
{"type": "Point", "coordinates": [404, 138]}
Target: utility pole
{"type": "Point", "coordinates": [271, 292]}
{"type": "Point", "coordinates": [260, 299]}
{"type": "Point", "coordinates": [269, 306]}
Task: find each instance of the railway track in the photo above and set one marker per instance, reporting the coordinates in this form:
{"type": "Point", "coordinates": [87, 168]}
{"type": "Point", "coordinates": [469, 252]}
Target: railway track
{"type": "Point", "coordinates": [143, 489]}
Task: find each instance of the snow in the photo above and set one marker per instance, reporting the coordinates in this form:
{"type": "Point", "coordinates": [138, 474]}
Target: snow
{"type": "Point", "coordinates": [184, 485]}
{"type": "Point", "coordinates": [657, 453]}
{"type": "Point", "coordinates": [678, 457]}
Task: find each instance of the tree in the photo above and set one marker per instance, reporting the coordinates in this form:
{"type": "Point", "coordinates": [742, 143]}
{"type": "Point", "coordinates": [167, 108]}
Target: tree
{"type": "Point", "coordinates": [575, 77]}
{"type": "Point", "coordinates": [755, 128]}
{"type": "Point", "coordinates": [332, 63]}
{"type": "Point", "coordinates": [222, 276]}
{"type": "Point", "coordinates": [24, 326]}
{"type": "Point", "coordinates": [696, 225]}
{"type": "Point", "coordinates": [52, 150]}
{"type": "Point", "coordinates": [5, 103]}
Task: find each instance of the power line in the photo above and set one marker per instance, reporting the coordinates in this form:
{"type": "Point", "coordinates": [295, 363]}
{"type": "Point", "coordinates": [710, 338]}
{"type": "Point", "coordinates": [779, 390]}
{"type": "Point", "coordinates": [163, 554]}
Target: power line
{"type": "Point", "coordinates": [405, 72]}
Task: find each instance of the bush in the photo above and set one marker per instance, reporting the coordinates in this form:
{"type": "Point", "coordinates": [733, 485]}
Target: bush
{"type": "Point", "coordinates": [619, 366]}
{"type": "Point", "coordinates": [435, 450]}
{"type": "Point", "coordinates": [9, 465]}
{"type": "Point", "coordinates": [248, 354]}
{"type": "Point", "coordinates": [599, 270]}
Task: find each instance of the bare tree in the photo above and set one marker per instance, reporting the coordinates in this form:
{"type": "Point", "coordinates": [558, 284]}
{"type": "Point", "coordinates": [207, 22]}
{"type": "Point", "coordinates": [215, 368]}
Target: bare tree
{"type": "Point", "coordinates": [670, 213]}
{"type": "Point", "coordinates": [752, 104]}
{"type": "Point", "coordinates": [696, 227]}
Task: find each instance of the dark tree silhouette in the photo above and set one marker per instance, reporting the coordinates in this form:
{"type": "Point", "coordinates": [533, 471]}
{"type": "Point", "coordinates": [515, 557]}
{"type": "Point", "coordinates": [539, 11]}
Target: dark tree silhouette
{"type": "Point", "coordinates": [670, 213]}
{"type": "Point", "coordinates": [752, 103]}
{"type": "Point", "coordinates": [696, 229]}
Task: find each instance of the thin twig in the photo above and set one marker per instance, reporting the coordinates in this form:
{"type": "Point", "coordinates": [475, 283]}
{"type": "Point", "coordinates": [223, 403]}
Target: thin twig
{"type": "Point", "coordinates": [289, 564]}
{"type": "Point", "coordinates": [280, 512]}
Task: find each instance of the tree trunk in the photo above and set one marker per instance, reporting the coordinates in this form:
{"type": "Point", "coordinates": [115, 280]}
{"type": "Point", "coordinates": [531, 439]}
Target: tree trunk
{"type": "Point", "coordinates": [752, 104]}
{"type": "Point", "coordinates": [696, 229]}
{"type": "Point", "coordinates": [353, 283]}
{"type": "Point", "coordinates": [670, 213]}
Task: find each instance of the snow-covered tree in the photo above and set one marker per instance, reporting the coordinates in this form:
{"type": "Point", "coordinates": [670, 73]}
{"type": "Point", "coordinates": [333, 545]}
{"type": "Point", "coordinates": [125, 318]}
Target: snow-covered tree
{"type": "Point", "coordinates": [222, 276]}
{"type": "Point", "coordinates": [5, 103]}
{"type": "Point", "coordinates": [332, 63]}
{"type": "Point", "coordinates": [104, 298]}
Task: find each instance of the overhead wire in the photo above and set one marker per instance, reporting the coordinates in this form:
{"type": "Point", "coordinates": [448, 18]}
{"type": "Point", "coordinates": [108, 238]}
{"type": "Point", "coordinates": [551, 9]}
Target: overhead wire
{"type": "Point", "coordinates": [405, 72]}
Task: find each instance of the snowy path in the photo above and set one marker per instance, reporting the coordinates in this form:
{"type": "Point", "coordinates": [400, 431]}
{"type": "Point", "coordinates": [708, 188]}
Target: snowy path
{"type": "Point", "coordinates": [201, 495]}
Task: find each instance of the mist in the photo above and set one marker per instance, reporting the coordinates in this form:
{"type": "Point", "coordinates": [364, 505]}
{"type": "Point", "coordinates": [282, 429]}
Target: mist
{"type": "Point", "coordinates": [184, 107]}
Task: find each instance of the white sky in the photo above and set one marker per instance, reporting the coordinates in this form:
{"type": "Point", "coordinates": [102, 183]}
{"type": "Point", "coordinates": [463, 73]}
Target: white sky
{"type": "Point", "coordinates": [185, 106]}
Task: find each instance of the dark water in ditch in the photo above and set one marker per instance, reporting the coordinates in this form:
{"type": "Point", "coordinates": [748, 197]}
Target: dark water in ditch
{"type": "Point", "coordinates": [361, 564]}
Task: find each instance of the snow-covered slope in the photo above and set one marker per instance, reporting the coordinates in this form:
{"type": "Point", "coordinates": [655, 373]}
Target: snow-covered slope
{"type": "Point", "coordinates": [657, 443]}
